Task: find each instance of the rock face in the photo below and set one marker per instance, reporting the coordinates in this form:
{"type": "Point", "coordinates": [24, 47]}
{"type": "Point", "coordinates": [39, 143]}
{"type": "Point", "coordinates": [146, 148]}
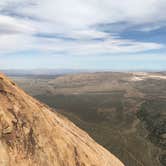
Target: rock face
{"type": "Point", "coordinates": [31, 134]}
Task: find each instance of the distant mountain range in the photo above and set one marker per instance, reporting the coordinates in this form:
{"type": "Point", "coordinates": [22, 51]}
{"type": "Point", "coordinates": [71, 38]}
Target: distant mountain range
{"type": "Point", "coordinates": [35, 72]}
{"type": "Point", "coordinates": [54, 72]}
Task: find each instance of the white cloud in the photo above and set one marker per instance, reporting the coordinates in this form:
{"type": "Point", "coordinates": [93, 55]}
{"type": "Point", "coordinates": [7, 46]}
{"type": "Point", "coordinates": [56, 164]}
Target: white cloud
{"type": "Point", "coordinates": [109, 46]}
{"type": "Point", "coordinates": [10, 25]}
{"type": "Point", "coordinates": [16, 42]}
{"type": "Point", "coordinates": [77, 19]}
{"type": "Point", "coordinates": [82, 13]}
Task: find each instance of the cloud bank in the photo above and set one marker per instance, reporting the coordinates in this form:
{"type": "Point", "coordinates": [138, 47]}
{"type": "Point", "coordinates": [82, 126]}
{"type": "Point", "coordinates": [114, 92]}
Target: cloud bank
{"type": "Point", "coordinates": [81, 27]}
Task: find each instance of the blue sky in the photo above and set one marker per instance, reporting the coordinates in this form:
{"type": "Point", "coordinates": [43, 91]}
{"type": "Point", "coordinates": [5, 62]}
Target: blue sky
{"type": "Point", "coordinates": [83, 34]}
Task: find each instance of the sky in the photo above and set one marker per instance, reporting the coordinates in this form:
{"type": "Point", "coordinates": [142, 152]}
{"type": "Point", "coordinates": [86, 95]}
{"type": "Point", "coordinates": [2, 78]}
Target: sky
{"type": "Point", "coordinates": [83, 34]}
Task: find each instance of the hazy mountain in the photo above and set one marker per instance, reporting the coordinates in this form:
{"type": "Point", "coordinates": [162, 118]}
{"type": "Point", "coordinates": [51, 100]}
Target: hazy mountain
{"type": "Point", "coordinates": [41, 72]}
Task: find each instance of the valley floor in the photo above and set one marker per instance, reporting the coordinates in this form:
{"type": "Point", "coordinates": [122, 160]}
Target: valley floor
{"type": "Point", "coordinates": [124, 112]}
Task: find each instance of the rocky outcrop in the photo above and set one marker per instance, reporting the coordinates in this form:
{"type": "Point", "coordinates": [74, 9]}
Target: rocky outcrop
{"type": "Point", "coordinates": [31, 134]}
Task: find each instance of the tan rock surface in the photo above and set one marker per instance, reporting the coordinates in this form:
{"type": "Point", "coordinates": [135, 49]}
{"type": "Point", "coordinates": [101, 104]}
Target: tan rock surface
{"type": "Point", "coordinates": [31, 134]}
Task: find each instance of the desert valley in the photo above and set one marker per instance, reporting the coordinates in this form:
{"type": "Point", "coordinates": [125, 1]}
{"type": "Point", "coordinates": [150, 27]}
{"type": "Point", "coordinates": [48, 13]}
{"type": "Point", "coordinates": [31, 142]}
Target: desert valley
{"type": "Point", "coordinates": [124, 112]}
